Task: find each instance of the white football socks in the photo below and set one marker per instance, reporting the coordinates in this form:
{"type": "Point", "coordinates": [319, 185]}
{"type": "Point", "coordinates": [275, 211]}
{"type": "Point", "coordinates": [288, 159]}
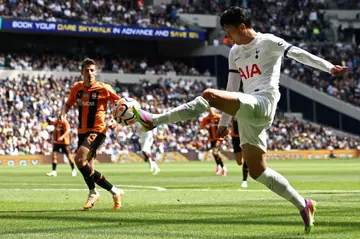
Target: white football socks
{"type": "Point", "coordinates": [183, 112]}
{"type": "Point", "coordinates": [115, 191]}
{"type": "Point", "coordinates": [94, 191]}
{"type": "Point", "coordinates": [281, 186]}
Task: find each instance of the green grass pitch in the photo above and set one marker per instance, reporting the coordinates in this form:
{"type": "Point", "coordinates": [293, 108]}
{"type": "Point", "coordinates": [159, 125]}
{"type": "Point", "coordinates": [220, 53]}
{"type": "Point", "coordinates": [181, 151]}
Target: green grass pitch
{"type": "Point", "coordinates": [186, 200]}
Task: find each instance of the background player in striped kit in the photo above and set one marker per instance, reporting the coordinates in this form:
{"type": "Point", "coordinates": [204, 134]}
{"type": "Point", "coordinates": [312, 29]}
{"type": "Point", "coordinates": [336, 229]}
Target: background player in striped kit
{"type": "Point", "coordinates": [210, 123]}
{"type": "Point", "coordinates": [61, 144]}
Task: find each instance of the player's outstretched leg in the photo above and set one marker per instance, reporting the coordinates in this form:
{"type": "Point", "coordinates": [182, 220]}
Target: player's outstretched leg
{"type": "Point", "coordinates": [180, 113]}
{"type": "Point", "coordinates": [255, 158]}
{"type": "Point", "coordinates": [224, 101]}
{"type": "Point", "coordinates": [116, 192]}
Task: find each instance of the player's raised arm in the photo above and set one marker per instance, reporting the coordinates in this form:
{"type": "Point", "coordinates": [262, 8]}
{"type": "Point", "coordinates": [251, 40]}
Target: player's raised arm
{"type": "Point", "coordinates": [112, 96]}
{"type": "Point", "coordinates": [203, 122]}
{"type": "Point", "coordinates": [69, 103]}
{"type": "Point", "coordinates": [304, 57]}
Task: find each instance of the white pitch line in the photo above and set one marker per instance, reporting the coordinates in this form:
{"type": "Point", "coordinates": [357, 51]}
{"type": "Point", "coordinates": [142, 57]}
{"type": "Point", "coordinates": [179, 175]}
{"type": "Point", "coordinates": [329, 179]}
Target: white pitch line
{"type": "Point", "coordinates": [60, 189]}
{"type": "Point", "coordinates": [262, 190]}
{"type": "Point", "coordinates": [77, 184]}
{"type": "Point", "coordinates": [140, 186]}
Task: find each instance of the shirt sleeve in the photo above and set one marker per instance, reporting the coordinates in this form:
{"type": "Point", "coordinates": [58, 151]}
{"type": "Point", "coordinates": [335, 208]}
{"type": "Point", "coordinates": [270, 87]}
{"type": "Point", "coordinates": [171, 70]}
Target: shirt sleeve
{"type": "Point", "coordinates": [203, 122]}
{"type": "Point", "coordinates": [279, 46]}
{"type": "Point", "coordinates": [72, 97]}
{"type": "Point", "coordinates": [112, 96]}
{"type": "Point", "coordinates": [232, 64]}
{"type": "Point", "coordinates": [285, 49]}
{"type": "Point", "coordinates": [309, 59]}
{"type": "Point", "coordinates": [233, 84]}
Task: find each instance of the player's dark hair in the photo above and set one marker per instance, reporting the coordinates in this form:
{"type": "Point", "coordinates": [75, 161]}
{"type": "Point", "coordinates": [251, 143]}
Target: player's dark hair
{"type": "Point", "coordinates": [87, 62]}
{"type": "Point", "coordinates": [234, 16]}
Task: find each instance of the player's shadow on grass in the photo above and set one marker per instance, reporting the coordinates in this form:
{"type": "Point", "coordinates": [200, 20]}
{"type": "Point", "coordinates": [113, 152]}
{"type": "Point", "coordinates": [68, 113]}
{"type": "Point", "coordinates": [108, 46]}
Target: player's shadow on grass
{"type": "Point", "coordinates": [118, 218]}
{"type": "Point", "coordinates": [75, 231]}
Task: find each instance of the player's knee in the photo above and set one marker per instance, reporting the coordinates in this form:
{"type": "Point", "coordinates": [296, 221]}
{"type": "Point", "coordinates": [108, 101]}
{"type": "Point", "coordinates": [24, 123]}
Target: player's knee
{"type": "Point", "coordinates": [209, 95]}
{"type": "Point", "coordinates": [239, 162]}
{"type": "Point", "coordinates": [97, 176]}
{"type": "Point", "coordinates": [255, 172]}
{"type": "Point", "coordinates": [81, 158]}
{"type": "Point", "coordinates": [254, 175]}
{"type": "Point", "coordinates": [239, 158]}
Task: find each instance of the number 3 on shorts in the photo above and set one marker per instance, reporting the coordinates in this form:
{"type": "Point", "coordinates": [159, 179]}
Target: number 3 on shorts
{"type": "Point", "coordinates": [91, 138]}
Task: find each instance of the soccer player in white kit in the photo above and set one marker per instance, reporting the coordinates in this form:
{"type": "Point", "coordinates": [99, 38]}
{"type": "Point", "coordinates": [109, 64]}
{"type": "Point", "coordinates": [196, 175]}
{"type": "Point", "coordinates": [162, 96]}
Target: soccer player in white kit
{"type": "Point", "coordinates": [256, 59]}
{"type": "Point", "coordinates": [146, 139]}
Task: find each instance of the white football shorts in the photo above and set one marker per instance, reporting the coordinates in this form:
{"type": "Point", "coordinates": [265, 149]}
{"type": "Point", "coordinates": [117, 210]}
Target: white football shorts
{"type": "Point", "coordinates": [146, 141]}
{"type": "Point", "coordinates": [255, 116]}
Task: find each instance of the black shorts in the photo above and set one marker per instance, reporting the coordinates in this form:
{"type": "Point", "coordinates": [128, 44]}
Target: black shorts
{"type": "Point", "coordinates": [214, 144]}
{"type": "Point", "coordinates": [61, 148]}
{"type": "Point", "coordinates": [91, 140]}
{"type": "Point", "coordinates": [236, 144]}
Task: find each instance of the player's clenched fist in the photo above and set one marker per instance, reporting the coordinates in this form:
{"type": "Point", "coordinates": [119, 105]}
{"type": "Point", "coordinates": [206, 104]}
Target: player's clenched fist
{"type": "Point", "coordinates": [336, 70]}
{"type": "Point", "coordinates": [222, 131]}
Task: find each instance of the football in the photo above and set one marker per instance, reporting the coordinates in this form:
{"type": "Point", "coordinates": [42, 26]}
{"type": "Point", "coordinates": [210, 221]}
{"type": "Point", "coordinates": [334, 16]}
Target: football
{"type": "Point", "coordinates": [123, 111]}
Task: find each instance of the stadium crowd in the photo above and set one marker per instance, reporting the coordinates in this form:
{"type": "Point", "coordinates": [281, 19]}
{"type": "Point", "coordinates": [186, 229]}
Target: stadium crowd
{"type": "Point", "coordinates": [27, 105]}
{"type": "Point", "coordinates": [116, 64]}
{"type": "Point", "coordinates": [123, 13]}
{"type": "Point", "coordinates": [287, 134]}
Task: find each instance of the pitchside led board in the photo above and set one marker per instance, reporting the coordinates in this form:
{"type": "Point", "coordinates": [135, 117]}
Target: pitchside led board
{"type": "Point", "coordinates": [16, 25]}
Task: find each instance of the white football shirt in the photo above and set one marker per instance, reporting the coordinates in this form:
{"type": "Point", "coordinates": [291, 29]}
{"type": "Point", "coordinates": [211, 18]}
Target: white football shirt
{"type": "Point", "coordinates": [258, 64]}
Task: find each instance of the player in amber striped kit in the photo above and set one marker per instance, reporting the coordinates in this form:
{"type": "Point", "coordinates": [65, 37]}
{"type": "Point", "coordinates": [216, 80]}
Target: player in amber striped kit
{"type": "Point", "coordinates": [61, 144]}
{"type": "Point", "coordinates": [211, 122]}
{"type": "Point", "coordinates": [91, 98]}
